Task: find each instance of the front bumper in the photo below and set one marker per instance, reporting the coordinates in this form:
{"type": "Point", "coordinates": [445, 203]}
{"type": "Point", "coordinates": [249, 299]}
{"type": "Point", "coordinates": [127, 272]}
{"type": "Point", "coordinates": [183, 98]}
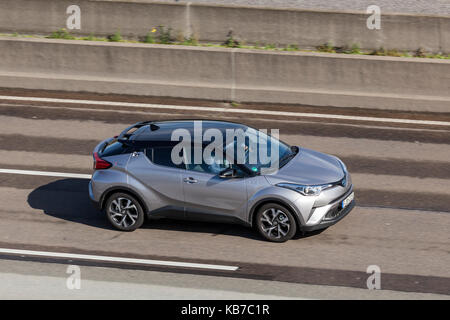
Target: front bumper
{"type": "Point", "coordinates": [327, 223]}
{"type": "Point", "coordinates": [330, 214]}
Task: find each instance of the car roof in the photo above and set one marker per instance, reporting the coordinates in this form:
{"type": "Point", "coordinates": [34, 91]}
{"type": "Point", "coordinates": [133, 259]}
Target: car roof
{"type": "Point", "coordinates": [162, 130]}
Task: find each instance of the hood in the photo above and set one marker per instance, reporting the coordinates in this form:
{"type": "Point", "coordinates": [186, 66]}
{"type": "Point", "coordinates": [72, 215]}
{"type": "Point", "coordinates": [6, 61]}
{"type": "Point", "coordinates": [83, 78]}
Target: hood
{"type": "Point", "coordinates": [309, 167]}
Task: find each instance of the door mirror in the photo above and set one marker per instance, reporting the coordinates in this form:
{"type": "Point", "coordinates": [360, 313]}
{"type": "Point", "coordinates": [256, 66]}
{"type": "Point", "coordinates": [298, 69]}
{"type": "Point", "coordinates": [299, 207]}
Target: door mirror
{"type": "Point", "coordinates": [228, 173]}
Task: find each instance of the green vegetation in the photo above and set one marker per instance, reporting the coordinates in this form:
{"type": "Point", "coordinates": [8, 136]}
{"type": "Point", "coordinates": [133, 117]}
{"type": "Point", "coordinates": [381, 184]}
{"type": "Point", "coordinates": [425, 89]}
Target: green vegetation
{"type": "Point", "coordinates": [91, 37]}
{"type": "Point", "coordinates": [355, 49]}
{"type": "Point", "coordinates": [420, 53]}
{"type": "Point", "coordinates": [61, 34]}
{"type": "Point", "coordinates": [116, 37]}
{"type": "Point", "coordinates": [191, 41]}
{"type": "Point", "coordinates": [230, 42]}
{"type": "Point", "coordinates": [256, 46]}
{"type": "Point", "coordinates": [393, 53]}
{"type": "Point", "coordinates": [327, 47]}
{"type": "Point", "coordinates": [437, 56]}
{"type": "Point", "coordinates": [163, 35]}
{"type": "Point", "coordinates": [291, 47]}
{"type": "Point", "coordinates": [149, 37]}
{"type": "Point", "coordinates": [330, 48]}
{"type": "Point", "coordinates": [270, 46]}
{"type": "Point", "coordinates": [378, 52]}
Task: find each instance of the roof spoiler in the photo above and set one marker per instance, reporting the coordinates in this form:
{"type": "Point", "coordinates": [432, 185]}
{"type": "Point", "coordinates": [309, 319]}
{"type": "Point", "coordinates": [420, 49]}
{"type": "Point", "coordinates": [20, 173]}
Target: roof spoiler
{"type": "Point", "coordinates": [124, 135]}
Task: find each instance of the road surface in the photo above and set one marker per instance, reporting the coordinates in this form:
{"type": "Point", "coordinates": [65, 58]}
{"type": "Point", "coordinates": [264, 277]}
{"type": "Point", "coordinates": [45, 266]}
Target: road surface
{"type": "Point", "coordinates": [401, 173]}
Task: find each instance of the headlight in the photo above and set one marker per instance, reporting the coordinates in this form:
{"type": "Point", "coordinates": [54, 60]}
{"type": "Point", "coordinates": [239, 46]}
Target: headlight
{"type": "Point", "coordinates": [305, 190]}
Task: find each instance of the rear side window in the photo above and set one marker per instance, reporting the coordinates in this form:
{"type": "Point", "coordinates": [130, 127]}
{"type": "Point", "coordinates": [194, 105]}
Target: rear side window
{"type": "Point", "coordinates": [114, 148]}
{"type": "Point", "coordinates": [162, 156]}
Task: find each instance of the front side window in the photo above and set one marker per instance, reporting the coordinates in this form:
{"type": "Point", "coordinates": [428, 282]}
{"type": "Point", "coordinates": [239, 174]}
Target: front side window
{"type": "Point", "coordinates": [213, 165]}
{"type": "Point", "coordinates": [256, 150]}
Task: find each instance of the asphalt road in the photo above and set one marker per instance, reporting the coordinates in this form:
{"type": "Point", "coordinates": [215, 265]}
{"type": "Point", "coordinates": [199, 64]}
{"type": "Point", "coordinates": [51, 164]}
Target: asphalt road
{"type": "Point", "coordinates": [29, 280]}
{"type": "Point", "coordinates": [439, 7]}
{"type": "Point", "coordinates": [401, 174]}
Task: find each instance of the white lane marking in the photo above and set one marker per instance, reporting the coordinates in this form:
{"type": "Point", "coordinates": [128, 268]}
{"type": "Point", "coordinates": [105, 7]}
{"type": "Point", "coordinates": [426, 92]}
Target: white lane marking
{"type": "Point", "coordinates": [119, 259]}
{"type": "Point", "coordinates": [47, 173]}
{"type": "Point", "coordinates": [228, 110]}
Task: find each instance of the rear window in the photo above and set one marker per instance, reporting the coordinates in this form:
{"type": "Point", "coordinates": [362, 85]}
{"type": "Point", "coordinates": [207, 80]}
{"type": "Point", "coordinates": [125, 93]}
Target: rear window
{"type": "Point", "coordinates": [114, 148]}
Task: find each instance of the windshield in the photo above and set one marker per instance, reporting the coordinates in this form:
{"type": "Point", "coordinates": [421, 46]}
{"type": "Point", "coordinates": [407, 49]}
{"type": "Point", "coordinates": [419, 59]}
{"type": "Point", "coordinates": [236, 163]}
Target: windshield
{"type": "Point", "coordinates": [257, 150]}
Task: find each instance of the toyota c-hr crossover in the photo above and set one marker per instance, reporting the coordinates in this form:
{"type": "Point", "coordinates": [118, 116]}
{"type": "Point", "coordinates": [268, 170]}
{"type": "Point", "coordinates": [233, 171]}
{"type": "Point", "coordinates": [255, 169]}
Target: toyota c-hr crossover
{"type": "Point", "coordinates": [149, 172]}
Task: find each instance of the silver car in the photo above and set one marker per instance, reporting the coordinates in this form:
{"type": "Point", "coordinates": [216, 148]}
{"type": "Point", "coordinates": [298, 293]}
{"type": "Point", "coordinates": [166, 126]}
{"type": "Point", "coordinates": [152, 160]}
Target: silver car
{"type": "Point", "coordinates": [136, 177]}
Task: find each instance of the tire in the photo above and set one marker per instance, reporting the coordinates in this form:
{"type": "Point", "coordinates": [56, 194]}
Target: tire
{"type": "Point", "coordinates": [275, 223]}
{"type": "Point", "coordinates": [124, 212]}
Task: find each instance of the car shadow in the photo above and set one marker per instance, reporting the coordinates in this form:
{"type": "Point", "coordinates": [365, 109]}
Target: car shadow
{"type": "Point", "coordinates": [302, 235]}
{"type": "Point", "coordinates": [68, 199]}
{"type": "Point", "coordinates": [212, 228]}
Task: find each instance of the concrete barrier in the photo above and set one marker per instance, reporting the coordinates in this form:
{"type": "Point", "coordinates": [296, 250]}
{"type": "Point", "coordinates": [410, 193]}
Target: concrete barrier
{"type": "Point", "coordinates": [306, 28]}
{"type": "Point", "coordinates": [101, 18]}
{"type": "Point", "coordinates": [227, 74]}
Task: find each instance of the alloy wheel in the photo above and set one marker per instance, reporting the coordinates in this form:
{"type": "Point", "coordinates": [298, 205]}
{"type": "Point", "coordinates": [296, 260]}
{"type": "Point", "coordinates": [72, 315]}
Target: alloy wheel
{"type": "Point", "coordinates": [275, 223]}
{"type": "Point", "coordinates": [123, 212]}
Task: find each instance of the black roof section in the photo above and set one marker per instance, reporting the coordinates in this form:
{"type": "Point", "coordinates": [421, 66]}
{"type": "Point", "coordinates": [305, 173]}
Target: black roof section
{"type": "Point", "coordinates": [161, 131]}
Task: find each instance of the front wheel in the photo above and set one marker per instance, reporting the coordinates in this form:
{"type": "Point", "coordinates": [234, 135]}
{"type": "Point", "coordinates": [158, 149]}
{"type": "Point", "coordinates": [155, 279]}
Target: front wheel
{"type": "Point", "coordinates": [275, 223]}
{"type": "Point", "coordinates": [124, 212]}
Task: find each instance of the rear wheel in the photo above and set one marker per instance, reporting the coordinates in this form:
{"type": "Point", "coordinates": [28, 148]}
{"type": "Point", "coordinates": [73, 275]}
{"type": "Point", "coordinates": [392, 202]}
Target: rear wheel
{"type": "Point", "coordinates": [275, 223]}
{"type": "Point", "coordinates": [124, 212]}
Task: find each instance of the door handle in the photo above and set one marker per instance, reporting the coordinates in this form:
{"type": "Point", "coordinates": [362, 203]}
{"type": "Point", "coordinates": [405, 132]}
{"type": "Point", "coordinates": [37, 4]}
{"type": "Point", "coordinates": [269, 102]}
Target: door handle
{"type": "Point", "coordinates": [190, 180]}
